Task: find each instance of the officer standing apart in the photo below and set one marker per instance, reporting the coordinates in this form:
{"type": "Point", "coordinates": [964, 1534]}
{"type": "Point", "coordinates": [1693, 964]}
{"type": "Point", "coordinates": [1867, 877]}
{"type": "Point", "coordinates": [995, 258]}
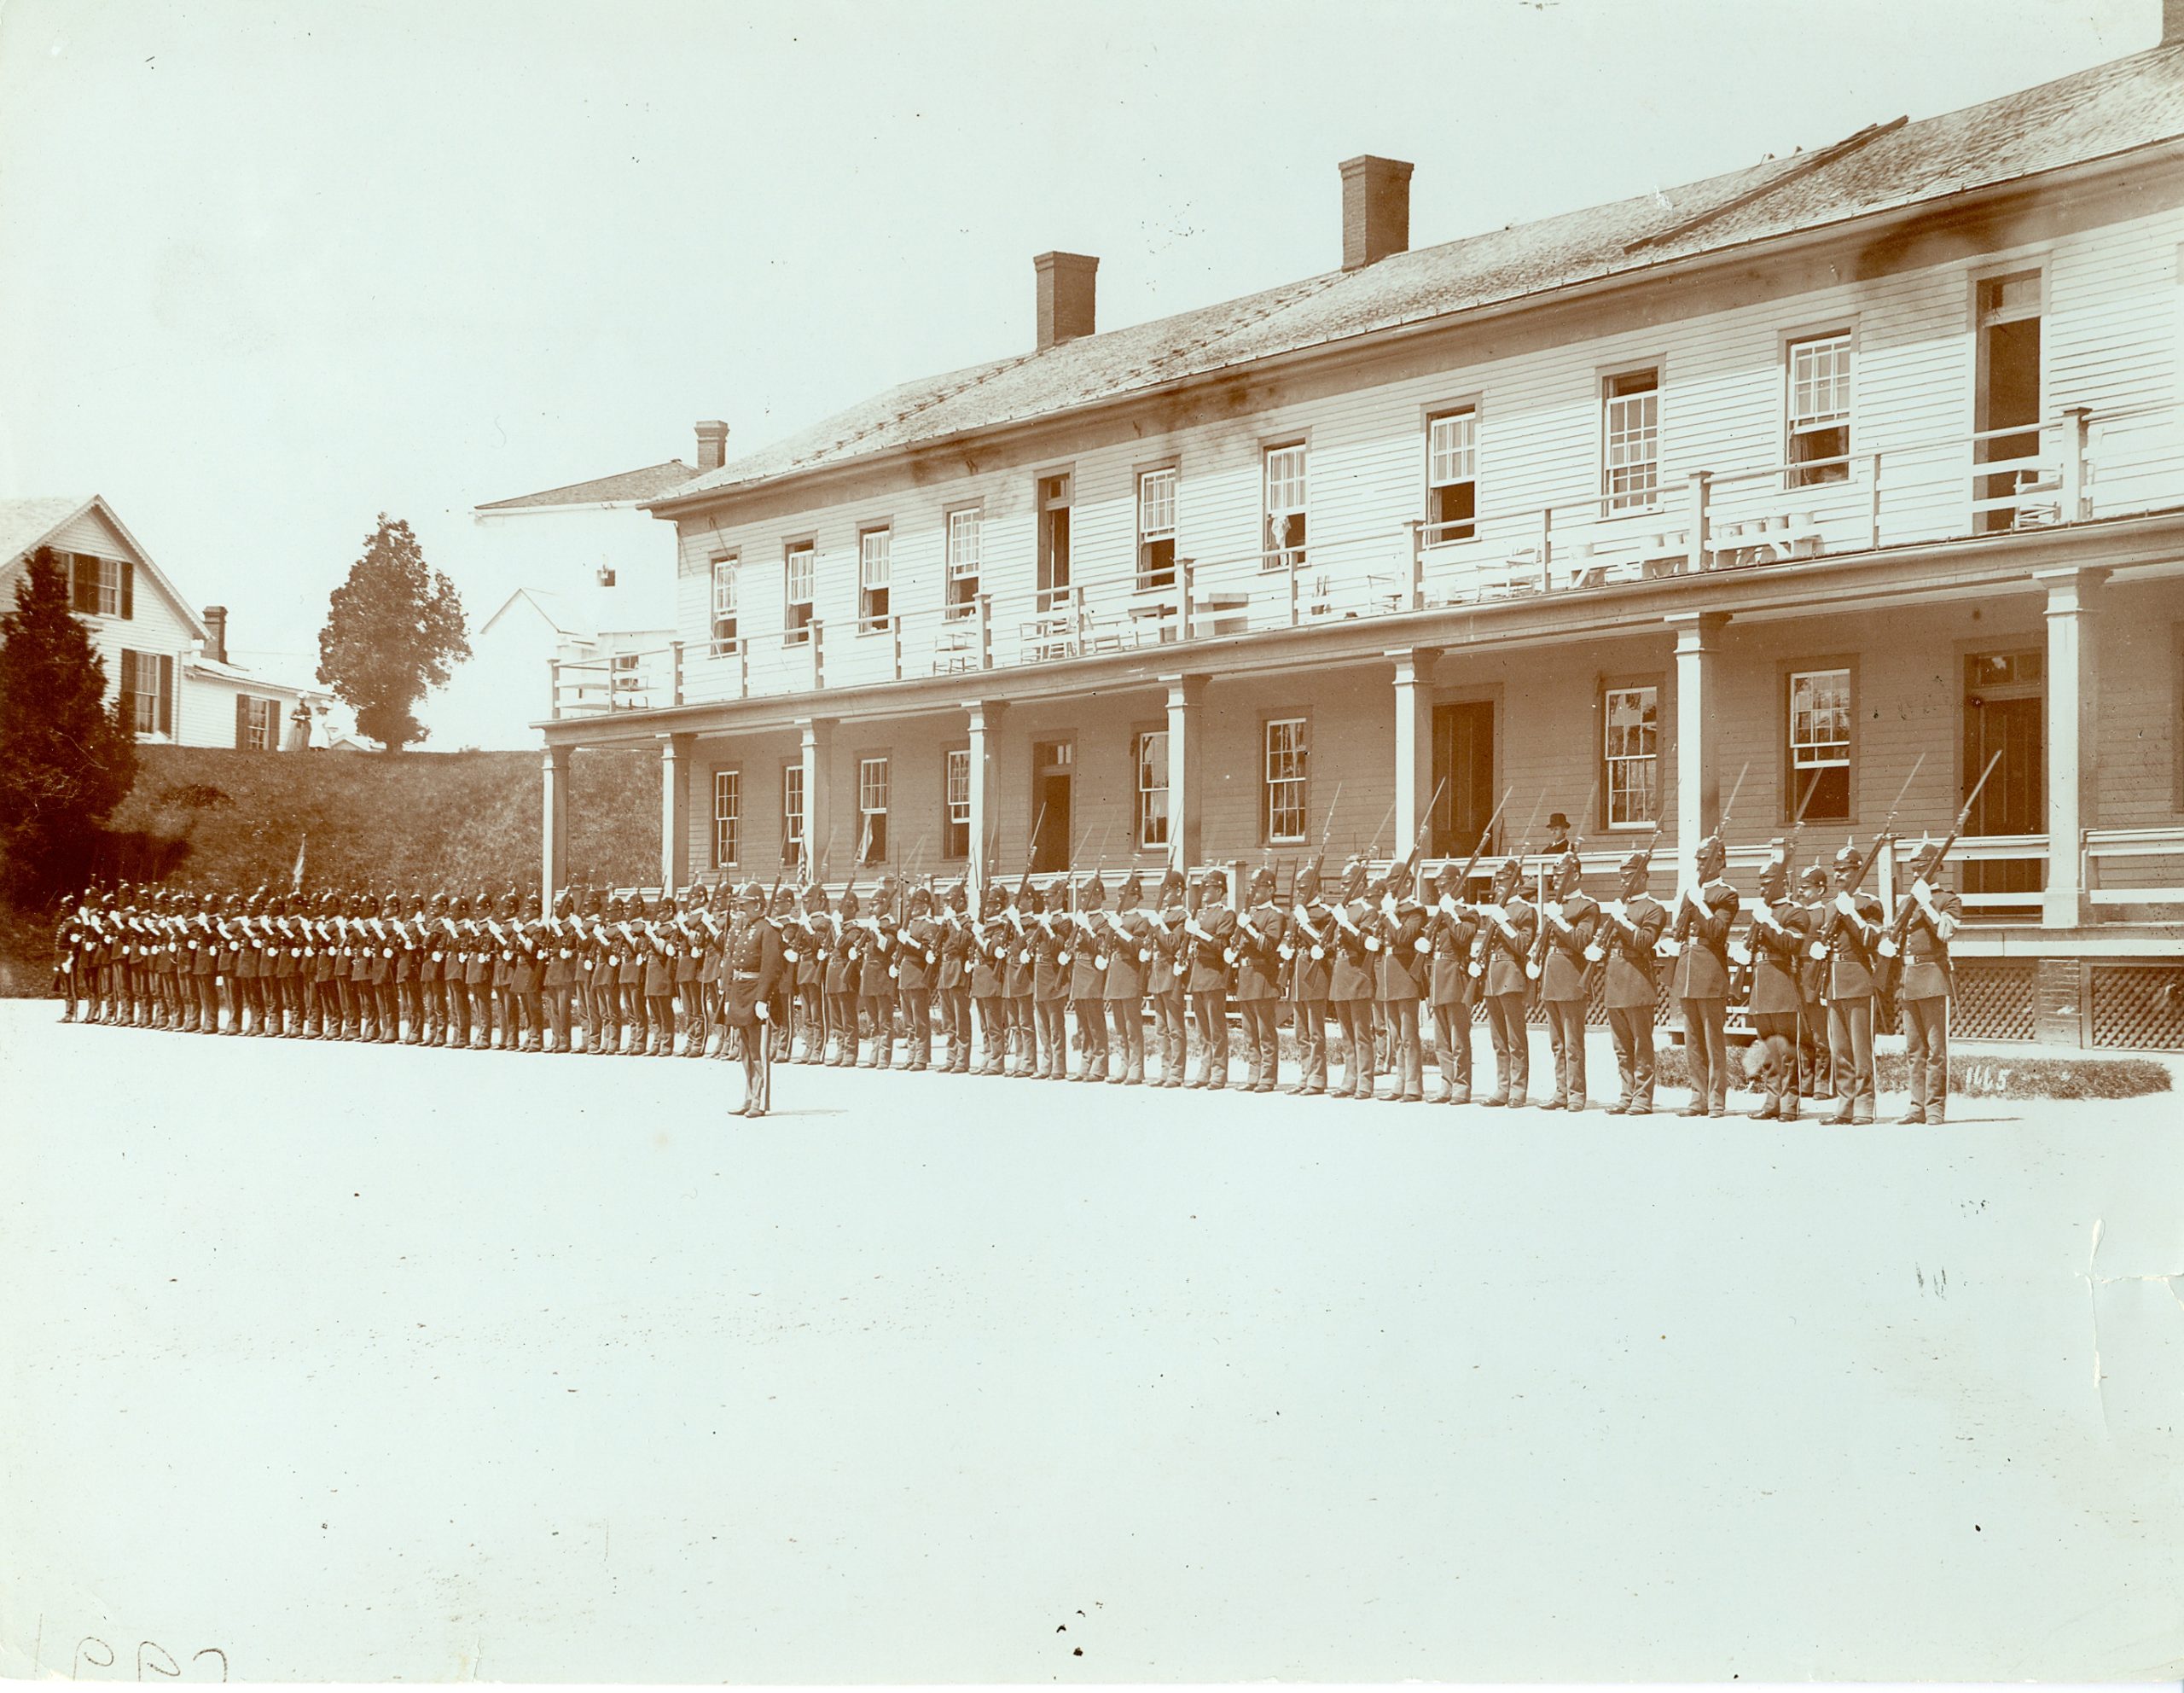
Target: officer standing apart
{"type": "Point", "coordinates": [754, 993]}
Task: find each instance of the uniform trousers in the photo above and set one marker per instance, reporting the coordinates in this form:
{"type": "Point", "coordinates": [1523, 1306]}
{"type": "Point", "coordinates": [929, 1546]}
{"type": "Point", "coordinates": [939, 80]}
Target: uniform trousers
{"type": "Point", "coordinates": [1170, 1009]}
{"type": "Point", "coordinates": [1126, 1050]}
{"type": "Point", "coordinates": [1452, 1052]}
{"type": "Point", "coordinates": [1354, 1026]}
{"type": "Point", "coordinates": [1850, 1053]}
{"type": "Point", "coordinates": [1092, 1038]}
{"type": "Point", "coordinates": [1565, 1038]}
{"type": "Point", "coordinates": [1311, 1017]}
{"type": "Point", "coordinates": [1632, 1028]}
{"type": "Point", "coordinates": [917, 1027]}
{"type": "Point", "coordinates": [1706, 1054]}
{"type": "Point", "coordinates": [1262, 1041]}
{"type": "Point", "coordinates": [1926, 1052]}
{"type": "Point", "coordinates": [879, 1010]}
{"type": "Point", "coordinates": [993, 1032]}
{"type": "Point", "coordinates": [1210, 1015]}
{"type": "Point", "coordinates": [1513, 1047]}
{"type": "Point", "coordinates": [955, 1025]}
{"type": "Point", "coordinates": [1051, 1019]}
{"type": "Point", "coordinates": [1405, 1060]}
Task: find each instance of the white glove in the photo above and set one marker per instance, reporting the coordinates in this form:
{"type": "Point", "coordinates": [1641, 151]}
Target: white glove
{"type": "Point", "coordinates": [1920, 892]}
{"type": "Point", "coordinates": [1846, 905]}
{"type": "Point", "coordinates": [765, 1011]}
{"type": "Point", "coordinates": [1594, 954]}
{"type": "Point", "coordinates": [1818, 949]}
{"type": "Point", "coordinates": [1946, 927]}
{"type": "Point", "coordinates": [1554, 909]}
{"type": "Point", "coordinates": [1421, 945]}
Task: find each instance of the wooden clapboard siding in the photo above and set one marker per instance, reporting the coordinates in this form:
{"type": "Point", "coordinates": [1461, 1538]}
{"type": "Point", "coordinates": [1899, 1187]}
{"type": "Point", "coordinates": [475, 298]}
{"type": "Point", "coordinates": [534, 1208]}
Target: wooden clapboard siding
{"type": "Point", "coordinates": [2111, 308]}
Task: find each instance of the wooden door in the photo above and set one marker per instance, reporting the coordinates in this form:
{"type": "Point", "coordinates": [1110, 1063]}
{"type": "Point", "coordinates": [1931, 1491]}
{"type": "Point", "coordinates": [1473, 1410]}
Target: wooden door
{"type": "Point", "coordinates": [1463, 772]}
{"type": "Point", "coordinates": [2006, 711]}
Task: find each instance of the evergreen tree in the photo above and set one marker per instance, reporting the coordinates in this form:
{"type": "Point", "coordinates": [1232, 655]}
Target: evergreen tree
{"type": "Point", "coordinates": [393, 631]}
{"type": "Point", "coordinates": [65, 760]}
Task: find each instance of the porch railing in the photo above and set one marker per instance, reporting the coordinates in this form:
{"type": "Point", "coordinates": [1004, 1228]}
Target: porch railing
{"type": "Point", "coordinates": [2070, 468]}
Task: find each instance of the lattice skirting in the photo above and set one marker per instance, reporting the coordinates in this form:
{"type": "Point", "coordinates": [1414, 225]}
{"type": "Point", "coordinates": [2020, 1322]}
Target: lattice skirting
{"type": "Point", "coordinates": [1993, 999]}
{"type": "Point", "coordinates": [2138, 1006]}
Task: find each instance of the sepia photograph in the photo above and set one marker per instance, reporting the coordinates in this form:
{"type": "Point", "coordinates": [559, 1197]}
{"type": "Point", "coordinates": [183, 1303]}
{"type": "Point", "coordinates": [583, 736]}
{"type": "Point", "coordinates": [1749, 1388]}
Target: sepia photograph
{"type": "Point", "coordinates": [922, 576]}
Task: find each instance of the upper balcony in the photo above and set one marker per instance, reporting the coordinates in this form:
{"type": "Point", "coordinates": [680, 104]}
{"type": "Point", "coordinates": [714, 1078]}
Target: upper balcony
{"type": "Point", "coordinates": [2072, 469]}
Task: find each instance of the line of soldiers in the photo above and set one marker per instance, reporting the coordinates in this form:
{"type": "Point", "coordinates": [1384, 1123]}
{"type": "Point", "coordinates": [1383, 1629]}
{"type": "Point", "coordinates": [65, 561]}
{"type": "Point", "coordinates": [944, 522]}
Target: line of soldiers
{"type": "Point", "coordinates": [843, 981]}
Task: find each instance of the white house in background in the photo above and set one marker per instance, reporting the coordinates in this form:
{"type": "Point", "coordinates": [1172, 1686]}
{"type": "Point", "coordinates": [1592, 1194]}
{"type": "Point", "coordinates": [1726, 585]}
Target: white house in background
{"type": "Point", "coordinates": [169, 661]}
{"type": "Point", "coordinates": [574, 573]}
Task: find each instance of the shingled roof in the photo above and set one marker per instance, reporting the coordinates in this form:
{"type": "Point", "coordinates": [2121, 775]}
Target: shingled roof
{"type": "Point", "coordinates": [2096, 114]}
{"type": "Point", "coordinates": [627, 487]}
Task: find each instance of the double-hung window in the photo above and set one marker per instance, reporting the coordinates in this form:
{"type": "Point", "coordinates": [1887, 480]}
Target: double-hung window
{"type": "Point", "coordinates": [261, 724]}
{"type": "Point", "coordinates": [875, 566]}
{"type": "Point", "coordinates": [1632, 755]}
{"type": "Point", "coordinates": [724, 589]}
{"type": "Point", "coordinates": [872, 810]}
{"type": "Point", "coordinates": [1156, 528]}
{"type": "Point", "coordinates": [1452, 477]}
{"type": "Point", "coordinates": [1285, 508]}
{"type": "Point", "coordinates": [1287, 762]}
{"type": "Point", "coordinates": [966, 543]}
{"type": "Point", "coordinates": [1631, 434]}
{"type": "Point", "coordinates": [955, 805]}
{"type": "Point", "coordinates": [728, 818]}
{"type": "Point", "coordinates": [99, 587]}
{"type": "Point", "coordinates": [792, 813]}
{"type": "Point", "coordinates": [1820, 743]}
{"type": "Point", "coordinates": [799, 570]}
{"type": "Point", "coordinates": [1152, 789]}
{"type": "Point", "coordinates": [1819, 410]}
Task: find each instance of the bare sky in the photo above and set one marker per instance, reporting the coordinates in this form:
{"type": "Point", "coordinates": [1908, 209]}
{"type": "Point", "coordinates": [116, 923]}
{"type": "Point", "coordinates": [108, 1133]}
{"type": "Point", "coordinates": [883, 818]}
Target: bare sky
{"type": "Point", "coordinates": [268, 269]}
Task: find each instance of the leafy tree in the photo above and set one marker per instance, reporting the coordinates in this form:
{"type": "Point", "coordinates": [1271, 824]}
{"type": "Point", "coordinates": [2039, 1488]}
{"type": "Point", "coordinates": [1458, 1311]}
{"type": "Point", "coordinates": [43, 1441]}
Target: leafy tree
{"type": "Point", "coordinates": [393, 631]}
{"type": "Point", "coordinates": [65, 760]}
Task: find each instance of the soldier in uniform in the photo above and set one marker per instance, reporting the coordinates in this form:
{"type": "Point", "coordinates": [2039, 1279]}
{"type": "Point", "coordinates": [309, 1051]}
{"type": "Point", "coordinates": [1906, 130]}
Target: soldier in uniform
{"type": "Point", "coordinates": [249, 992]}
{"type": "Point", "coordinates": [1050, 983]}
{"type": "Point", "coordinates": [1352, 981]}
{"type": "Point", "coordinates": [1212, 930]}
{"type": "Point", "coordinates": [205, 969]}
{"type": "Point", "coordinates": [1128, 945]}
{"type": "Point", "coordinates": [1924, 920]}
{"type": "Point", "coordinates": [558, 945]}
{"type": "Point", "coordinates": [69, 938]}
{"type": "Point", "coordinates": [1405, 978]}
{"type": "Point", "coordinates": [1847, 940]}
{"type": "Point", "coordinates": [1260, 936]}
{"type": "Point", "coordinates": [1510, 925]}
{"type": "Point", "coordinates": [1815, 1079]}
{"type": "Point", "coordinates": [1705, 911]}
{"type": "Point", "coordinates": [1454, 977]}
{"type": "Point", "coordinates": [919, 965]}
{"type": "Point", "coordinates": [1169, 987]}
{"type": "Point", "coordinates": [815, 946]}
{"type": "Point", "coordinates": [952, 985]}
{"type": "Point", "coordinates": [1019, 979]}
{"type": "Point", "coordinates": [844, 962]}
{"type": "Point", "coordinates": [755, 998]}
{"type": "Point", "coordinates": [881, 973]}
{"type": "Point", "coordinates": [990, 941]}
{"type": "Point", "coordinates": [1084, 954]}
{"type": "Point", "coordinates": [1781, 931]}
{"type": "Point", "coordinates": [1570, 919]}
{"type": "Point", "coordinates": [1308, 946]}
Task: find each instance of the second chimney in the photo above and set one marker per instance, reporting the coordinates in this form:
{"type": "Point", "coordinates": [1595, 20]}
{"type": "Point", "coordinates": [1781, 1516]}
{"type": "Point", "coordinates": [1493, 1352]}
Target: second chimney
{"type": "Point", "coordinates": [1375, 210]}
{"type": "Point", "coordinates": [2172, 23]}
{"type": "Point", "coordinates": [215, 628]}
{"type": "Point", "coordinates": [1066, 283]}
{"type": "Point", "coordinates": [712, 445]}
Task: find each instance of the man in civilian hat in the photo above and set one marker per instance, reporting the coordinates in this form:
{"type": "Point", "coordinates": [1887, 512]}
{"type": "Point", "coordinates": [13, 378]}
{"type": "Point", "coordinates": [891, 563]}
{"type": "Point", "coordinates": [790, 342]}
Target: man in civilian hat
{"type": "Point", "coordinates": [755, 996]}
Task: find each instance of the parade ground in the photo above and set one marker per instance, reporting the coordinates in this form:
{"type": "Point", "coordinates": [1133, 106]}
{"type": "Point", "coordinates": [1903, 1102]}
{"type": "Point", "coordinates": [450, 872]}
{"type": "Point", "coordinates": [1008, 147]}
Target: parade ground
{"type": "Point", "coordinates": [325, 1361]}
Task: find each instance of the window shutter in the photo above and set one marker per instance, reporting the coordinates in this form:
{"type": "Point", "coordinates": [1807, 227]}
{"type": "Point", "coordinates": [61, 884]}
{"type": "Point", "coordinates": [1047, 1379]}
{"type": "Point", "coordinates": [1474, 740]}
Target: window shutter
{"type": "Point", "coordinates": [82, 584]}
{"type": "Point", "coordinates": [166, 694]}
{"type": "Point", "coordinates": [128, 587]}
{"type": "Point", "coordinates": [242, 721]}
{"type": "Point", "coordinates": [128, 691]}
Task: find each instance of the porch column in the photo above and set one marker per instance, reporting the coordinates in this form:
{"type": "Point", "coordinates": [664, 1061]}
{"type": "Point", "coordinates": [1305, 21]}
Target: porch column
{"type": "Point", "coordinates": [1413, 742]}
{"type": "Point", "coordinates": [1186, 702]}
{"type": "Point", "coordinates": [817, 742]}
{"type": "Point", "coordinates": [554, 826]}
{"type": "Point", "coordinates": [674, 762]}
{"type": "Point", "coordinates": [2073, 682]}
{"type": "Point", "coordinates": [986, 783]}
{"type": "Point", "coordinates": [1697, 782]}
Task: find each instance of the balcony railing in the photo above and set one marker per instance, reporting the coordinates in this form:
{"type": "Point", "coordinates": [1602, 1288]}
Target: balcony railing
{"type": "Point", "coordinates": [2079, 468]}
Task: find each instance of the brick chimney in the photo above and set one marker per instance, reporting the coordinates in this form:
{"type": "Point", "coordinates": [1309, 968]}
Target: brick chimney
{"type": "Point", "coordinates": [1376, 209]}
{"type": "Point", "coordinates": [1066, 282]}
{"type": "Point", "coordinates": [216, 627]}
{"type": "Point", "coordinates": [2172, 23]}
{"type": "Point", "coordinates": [712, 445]}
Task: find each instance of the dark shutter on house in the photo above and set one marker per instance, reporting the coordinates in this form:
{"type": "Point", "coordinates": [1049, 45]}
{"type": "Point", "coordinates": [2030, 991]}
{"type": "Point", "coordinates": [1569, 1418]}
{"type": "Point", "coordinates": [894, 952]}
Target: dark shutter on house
{"type": "Point", "coordinates": [82, 584]}
{"type": "Point", "coordinates": [128, 587]}
{"type": "Point", "coordinates": [128, 694]}
{"type": "Point", "coordinates": [243, 722]}
{"type": "Point", "coordinates": [166, 694]}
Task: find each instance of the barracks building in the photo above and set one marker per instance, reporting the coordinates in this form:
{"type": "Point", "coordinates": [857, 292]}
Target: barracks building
{"type": "Point", "coordinates": [1815, 484]}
